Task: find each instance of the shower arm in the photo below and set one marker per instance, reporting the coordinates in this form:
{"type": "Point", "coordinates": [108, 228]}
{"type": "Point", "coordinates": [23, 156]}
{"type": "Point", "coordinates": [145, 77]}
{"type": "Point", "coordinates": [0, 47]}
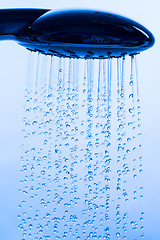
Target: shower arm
{"type": "Point", "coordinates": [13, 20]}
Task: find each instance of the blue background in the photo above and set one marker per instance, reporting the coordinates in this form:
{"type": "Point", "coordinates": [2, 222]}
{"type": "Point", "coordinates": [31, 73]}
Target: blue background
{"type": "Point", "coordinates": [13, 64]}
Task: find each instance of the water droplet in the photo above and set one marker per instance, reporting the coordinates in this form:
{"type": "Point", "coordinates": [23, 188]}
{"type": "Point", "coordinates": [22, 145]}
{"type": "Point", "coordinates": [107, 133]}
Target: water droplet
{"type": "Point", "coordinates": [131, 83]}
{"type": "Point", "coordinates": [131, 95]}
{"type": "Point", "coordinates": [43, 172]}
{"type": "Point", "coordinates": [118, 235]}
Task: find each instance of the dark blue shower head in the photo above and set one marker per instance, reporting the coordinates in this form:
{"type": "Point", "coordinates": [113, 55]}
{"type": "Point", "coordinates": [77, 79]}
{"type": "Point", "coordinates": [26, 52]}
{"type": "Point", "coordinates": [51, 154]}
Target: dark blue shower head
{"type": "Point", "coordinates": [75, 33]}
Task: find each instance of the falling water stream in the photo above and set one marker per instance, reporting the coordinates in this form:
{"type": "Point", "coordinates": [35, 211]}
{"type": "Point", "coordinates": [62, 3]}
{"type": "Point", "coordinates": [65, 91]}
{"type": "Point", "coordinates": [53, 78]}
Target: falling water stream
{"type": "Point", "coordinates": [81, 166]}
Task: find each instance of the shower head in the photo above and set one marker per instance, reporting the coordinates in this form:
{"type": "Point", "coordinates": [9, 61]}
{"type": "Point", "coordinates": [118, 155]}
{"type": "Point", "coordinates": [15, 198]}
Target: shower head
{"type": "Point", "coordinates": [74, 33]}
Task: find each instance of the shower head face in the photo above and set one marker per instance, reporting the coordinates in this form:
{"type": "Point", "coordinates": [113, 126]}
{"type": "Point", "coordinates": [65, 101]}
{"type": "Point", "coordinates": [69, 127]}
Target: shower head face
{"type": "Point", "coordinates": [83, 34]}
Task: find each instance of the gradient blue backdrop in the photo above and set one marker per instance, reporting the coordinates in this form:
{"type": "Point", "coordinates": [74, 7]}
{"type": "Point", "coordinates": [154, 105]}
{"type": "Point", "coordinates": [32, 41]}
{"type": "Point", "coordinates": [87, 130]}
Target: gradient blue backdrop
{"type": "Point", "coordinates": [13, 62]}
